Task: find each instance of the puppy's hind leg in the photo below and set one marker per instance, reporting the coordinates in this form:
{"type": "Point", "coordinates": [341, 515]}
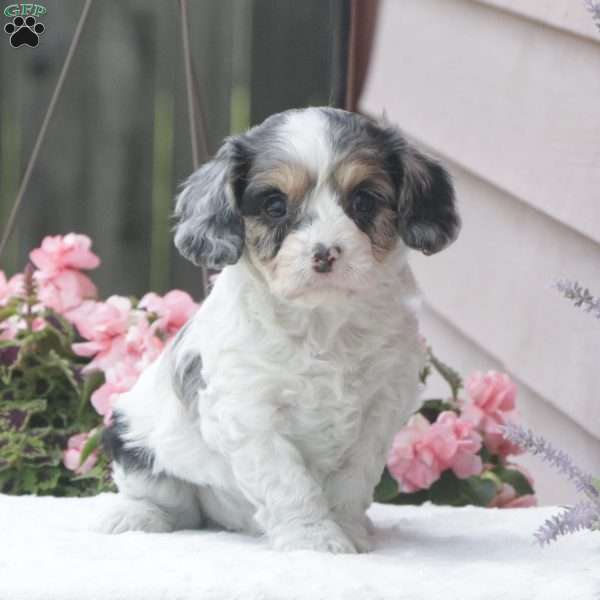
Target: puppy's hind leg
{"type": "Point", "coordinates": [147, 500]}
{"type": "Point", "coordinates": [151, 503]}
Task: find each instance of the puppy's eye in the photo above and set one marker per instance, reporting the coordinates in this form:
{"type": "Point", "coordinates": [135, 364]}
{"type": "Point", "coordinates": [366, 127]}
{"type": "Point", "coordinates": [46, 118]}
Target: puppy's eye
{"type": "Point", "coordinates": [363, 202]}
{"type": "Point", "coordinates": [275, 206]}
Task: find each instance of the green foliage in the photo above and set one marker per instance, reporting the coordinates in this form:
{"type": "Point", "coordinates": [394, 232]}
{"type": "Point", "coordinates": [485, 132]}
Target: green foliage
{"type": "Point", "coordinates": [447, 490]}
{"type": "Point", "coordinates": [514, 478]}
{"type": "Point", "coordinates": [44, 399]}
{"type": "Point", "coordinates": [387, 488]}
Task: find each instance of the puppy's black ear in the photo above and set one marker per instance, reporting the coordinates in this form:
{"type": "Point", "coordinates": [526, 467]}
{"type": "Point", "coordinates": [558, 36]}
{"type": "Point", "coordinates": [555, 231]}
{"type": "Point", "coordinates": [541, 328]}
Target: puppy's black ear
{"type": "Point", "coordinates": [210, 228]}
{"type": "Point", "coordinates": [427, 217]}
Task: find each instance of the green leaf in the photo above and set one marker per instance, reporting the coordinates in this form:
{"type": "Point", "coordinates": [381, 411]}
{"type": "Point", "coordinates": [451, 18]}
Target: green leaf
{"type": "Point", "coordinates": [387, 488]}
{"type": "Point", "coordinates": [493, 478]}
{"type": "Point", "coordinates": [92, 381]}
{"type": "Point", "coordinates": [96, 472]}
{"type": "Point", "coordinates": [514, 478]}
{"type": "Point", "coordinates": [8, 311]}
{"type": "Point", "coordinates": [596, 483]}
{"type": "Point", "coordinates": [446, 490]}
{"type": "Point", "coordinates": [28, 481]}
{"type": "Point", "coordinates": [451, 490]}
{"type": "Point", "coordinates": [478, 490]}
{"type": "Point", "coordinates": [91, 444]}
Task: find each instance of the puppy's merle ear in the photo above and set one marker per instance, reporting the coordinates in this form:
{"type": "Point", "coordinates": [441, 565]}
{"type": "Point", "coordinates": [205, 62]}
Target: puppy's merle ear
{"type": "Point", "coordinates": [210, 228]}
{"type": "Point", "coordinates": [427, 217]}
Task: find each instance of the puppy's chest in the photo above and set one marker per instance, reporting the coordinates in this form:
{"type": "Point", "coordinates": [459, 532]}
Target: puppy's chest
{"type": "Point", "coordinates": [324, 410]}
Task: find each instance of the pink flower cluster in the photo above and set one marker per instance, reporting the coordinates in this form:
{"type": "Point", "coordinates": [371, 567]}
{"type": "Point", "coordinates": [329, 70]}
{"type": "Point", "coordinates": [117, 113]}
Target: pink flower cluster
{"type": "Point", "coordinates": [60, 283]}
{"type": "Point", "coordinates": [422, 451]}
{"type": "Point", "coordinates": [121, 338]}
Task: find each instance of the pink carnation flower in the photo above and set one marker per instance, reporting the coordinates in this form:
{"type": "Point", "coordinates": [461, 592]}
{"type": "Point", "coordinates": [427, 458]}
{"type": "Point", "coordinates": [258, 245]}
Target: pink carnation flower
{"type": "Point", "coordinates": [63, 291]}
{"type": "Point", "coordinates": [61, 285]}
{"type": "Point", "coordinates": [174, 309]}
{"type": "Point", "coordinates": [464, 461]}
{"type": "Point", "coordinates": [492, 401]}
{"type": "Point", "coordinates": [72, 455]}
{"type": "Point", "coordinates": [422, 451]}
{"type": "Point", "coordinates": [58, 252]}
{"type": "Point", "coordinates": [492, 391]}
{"type": "Point", "coordinates": [105, 325]}
{"type": "Point", "coordinates": [101, 321]}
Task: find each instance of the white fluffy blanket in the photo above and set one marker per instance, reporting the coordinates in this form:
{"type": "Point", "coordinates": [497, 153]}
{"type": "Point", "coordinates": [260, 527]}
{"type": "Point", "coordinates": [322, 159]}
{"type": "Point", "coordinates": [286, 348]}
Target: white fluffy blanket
{"type": "Point", "coordinates": [433, 553]}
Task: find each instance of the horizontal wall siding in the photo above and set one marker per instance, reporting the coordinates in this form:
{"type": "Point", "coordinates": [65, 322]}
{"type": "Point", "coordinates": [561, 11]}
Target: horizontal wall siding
{"type": "Point", "coordinates": [506, 98]}
{"type": "Point", "coordinates": [566, 15]}
{"type": "Point", "coordinates": [495, 283]}
{"type": "Point", "coordinates": [506, 93]}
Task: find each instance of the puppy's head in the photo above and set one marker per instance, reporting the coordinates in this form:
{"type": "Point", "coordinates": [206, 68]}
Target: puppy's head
{"type": "Point", "coordinates": [318, 200]}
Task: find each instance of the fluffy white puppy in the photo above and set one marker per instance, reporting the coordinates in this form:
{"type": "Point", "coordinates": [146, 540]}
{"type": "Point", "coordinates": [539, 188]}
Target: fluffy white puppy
{"type": "Point", "coordinates": [273, 409]}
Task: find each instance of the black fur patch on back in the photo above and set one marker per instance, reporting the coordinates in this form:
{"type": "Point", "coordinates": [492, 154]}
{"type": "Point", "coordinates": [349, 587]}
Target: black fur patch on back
{"type": "Point", "coordinates": [131, 458]}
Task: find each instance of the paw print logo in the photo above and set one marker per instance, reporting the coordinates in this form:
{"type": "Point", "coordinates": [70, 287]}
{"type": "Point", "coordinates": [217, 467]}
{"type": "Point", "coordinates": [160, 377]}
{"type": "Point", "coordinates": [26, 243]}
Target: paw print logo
{"type": "Point", "coordinates": [24, 31]}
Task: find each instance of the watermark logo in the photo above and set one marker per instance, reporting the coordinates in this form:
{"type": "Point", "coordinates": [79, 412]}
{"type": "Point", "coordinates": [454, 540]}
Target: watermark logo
{"type": "Point", "coordinates": [25, 28]}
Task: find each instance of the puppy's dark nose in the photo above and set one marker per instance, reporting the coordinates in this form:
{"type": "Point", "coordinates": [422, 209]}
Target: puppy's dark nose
{"type": "Point", "coordinates": [324, 257]}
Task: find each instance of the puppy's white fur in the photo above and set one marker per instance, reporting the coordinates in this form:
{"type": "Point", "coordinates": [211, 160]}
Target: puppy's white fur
{"type": "Point", "coordinates": [307, 378]}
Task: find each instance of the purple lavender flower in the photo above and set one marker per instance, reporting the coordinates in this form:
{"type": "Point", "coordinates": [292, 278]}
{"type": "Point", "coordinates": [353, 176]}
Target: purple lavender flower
{"type": "Point", "coordinates": [594, 7]}
{"type": "Point", "coordinates": [585, 515]}
{"type": "Point", "coordinates": [557, 458]}
{"type": "Point", "coordinates": [574, 518]}
{"type": "Point", "coordinates": [572, 290]}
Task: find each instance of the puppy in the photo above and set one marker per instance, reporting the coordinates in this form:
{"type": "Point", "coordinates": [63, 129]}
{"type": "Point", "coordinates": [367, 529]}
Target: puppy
{"type": "Point", "coordinates": [273, 409]}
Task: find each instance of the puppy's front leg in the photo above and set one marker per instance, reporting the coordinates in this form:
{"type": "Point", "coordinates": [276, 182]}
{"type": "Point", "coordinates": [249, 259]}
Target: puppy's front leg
{"type": "Point", "coordinates": [291, 506]}
{"type": "Point", "coordinates": [350, 489]}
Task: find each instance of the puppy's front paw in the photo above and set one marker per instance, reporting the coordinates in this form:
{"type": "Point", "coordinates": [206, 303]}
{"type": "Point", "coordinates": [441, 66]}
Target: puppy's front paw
{"type": "Point", "coordinates": [133, 515]}
{"type": "Point", "coordinates": [323, 536]}
{"type": "Point", "coordinates": [358, 532]}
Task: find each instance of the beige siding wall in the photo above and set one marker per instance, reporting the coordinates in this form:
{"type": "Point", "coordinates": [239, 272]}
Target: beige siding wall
{"type": "Point", "coordinates": [507, 93]}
